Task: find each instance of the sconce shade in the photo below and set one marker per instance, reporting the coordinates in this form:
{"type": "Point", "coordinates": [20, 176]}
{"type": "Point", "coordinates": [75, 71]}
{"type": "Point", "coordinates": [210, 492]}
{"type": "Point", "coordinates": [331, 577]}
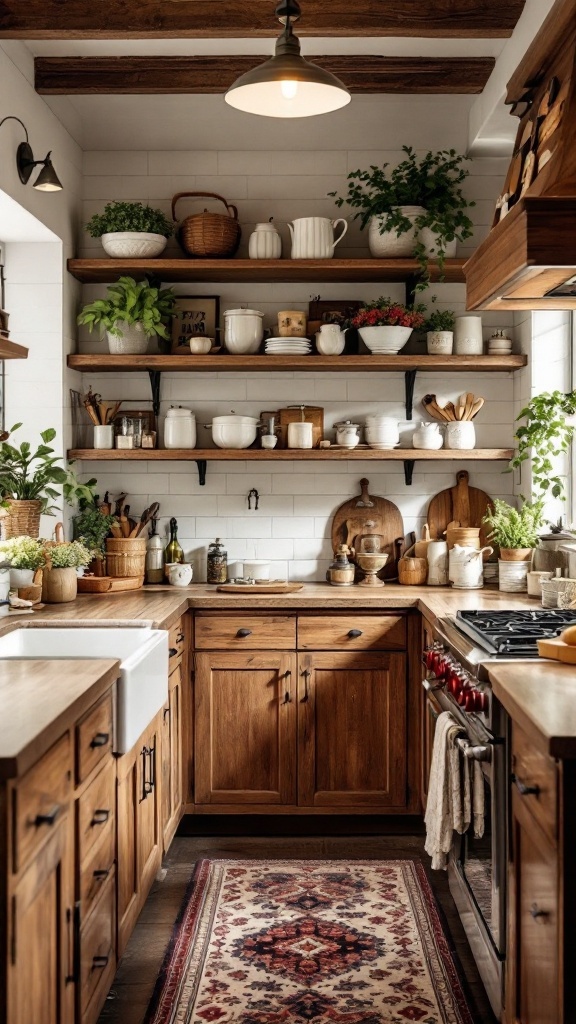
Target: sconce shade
{"type": "Point", "coordinates": [48, 180]}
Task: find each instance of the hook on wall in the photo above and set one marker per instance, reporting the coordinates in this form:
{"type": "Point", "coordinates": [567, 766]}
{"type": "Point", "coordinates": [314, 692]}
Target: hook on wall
{"type": "Point", "coordinates": [253, 493]}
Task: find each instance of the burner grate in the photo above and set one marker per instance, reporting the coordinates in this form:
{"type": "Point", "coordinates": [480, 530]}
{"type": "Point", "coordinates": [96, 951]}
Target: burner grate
{"type": "Point", "coordinates": [513, 634]}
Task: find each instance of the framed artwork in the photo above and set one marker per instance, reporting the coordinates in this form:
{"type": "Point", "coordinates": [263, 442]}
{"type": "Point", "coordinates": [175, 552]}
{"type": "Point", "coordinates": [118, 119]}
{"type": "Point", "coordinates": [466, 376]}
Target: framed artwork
{"type": "Point", "coordinates": [195, 315]}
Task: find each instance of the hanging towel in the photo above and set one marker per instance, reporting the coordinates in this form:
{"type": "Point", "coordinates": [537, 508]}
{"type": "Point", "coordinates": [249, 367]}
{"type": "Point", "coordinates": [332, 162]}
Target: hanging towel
{"type": "Point", "coordinates": [449, 804]}
{"type": "Point", "coordinates": [478, 799]}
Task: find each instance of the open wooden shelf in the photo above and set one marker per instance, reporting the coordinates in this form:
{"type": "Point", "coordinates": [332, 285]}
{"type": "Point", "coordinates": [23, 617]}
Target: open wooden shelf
{"type": "Point", "coordinates": [101, 271]}
{"type": "Point", "coordinates": [10, 350]}
{"type": "Point", "coordinates": [289, 455]}
{"type": "Point", "coordinates": [105, 363]}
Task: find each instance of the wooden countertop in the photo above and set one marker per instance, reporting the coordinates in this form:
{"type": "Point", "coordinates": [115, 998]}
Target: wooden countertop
{"type": "Point", "coordinates": [540, 695]}
{"type": "Point", "coordinates": [40, 700]}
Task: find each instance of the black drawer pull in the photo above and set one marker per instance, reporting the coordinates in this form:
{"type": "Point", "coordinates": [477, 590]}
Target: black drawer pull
{"type": "Point", "coordinates": [100, 739]}
{"type": "Point", "coordinates": [47, 819]}
{"type": "Point", "coordinates": [353, 633]}
{"type": "Point", "coordinates": [172, 652]}
{"type": "Point", "coordinates": [99, 962]}
{"type": "Point", "coordinates": [244, 632]}
{"type": "Point", "coordinates": [536, 912]}
{"type": "Point", "coordinates": [100, 817]}
{"type": "Point", "coordinates": [523, 789]}
{"type": "Point", "coordinates": [101, 873]}
{"type": "Point", "coordinates": [180, 638]}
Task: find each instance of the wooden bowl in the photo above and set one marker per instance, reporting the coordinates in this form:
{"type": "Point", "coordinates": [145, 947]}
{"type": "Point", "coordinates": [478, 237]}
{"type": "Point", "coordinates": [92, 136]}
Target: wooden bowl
{"type": "Point", "coordinates": [412, 572]}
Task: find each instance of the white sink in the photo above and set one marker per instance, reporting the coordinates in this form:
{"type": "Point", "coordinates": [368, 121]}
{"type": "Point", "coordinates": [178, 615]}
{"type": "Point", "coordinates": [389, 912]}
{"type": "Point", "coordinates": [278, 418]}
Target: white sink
{"type": "Point", "coordinates": [143, 656]}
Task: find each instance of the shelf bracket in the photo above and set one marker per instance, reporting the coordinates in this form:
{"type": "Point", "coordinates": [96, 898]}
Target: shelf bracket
{"type": "Point", "coordinates": [155, 381]}
{"type": "Point", "coordinates": [409, 382]}
{"type": "Point", "coordinates": [201, 463]}
{"type": "Point", "coordinates": [411, 283]}
{"type": "Point", "coordinates": [408, 471]}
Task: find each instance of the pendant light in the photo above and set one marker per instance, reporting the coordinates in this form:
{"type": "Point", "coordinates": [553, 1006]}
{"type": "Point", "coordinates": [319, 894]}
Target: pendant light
{"type": "Point", "coordinates": [287, 85]}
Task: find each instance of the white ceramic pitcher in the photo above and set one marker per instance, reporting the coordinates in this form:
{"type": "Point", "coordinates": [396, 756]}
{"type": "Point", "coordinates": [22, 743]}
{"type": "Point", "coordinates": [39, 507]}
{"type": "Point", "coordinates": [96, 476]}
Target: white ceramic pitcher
{"type": "Point", "coordinates": [313, 237]}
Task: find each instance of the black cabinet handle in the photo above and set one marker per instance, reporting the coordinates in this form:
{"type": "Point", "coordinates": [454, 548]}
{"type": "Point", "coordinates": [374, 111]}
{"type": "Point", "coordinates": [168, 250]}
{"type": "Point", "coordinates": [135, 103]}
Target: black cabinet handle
{"type": "Point", "coordinates": [244, 632]}
{"type": "Point", "coordinates": [172, 652]}
{"type": "Point", "coordinates": [99, 962]}
{"type": "Point", "coordinates": [523, 789]}
{"type": "Point", "coordinates": [353, 633]}
{"type": "Point", "coordinates": [100, 817]}
{"type": "Point", "coordinates": [152, 756]}
{"type": "Point", "coordinates": [166, 713]}
{"type": "Point", "coordinates": [100, 739]}
{"type": "Point", "coordinates": [180, 638]}
{"type": "Point", "coordinates": [101, 873]}
{"type": "Point", "coordinates": [536, 912]}
{"type": "Point", "coordinates": [146, 784]}
{"type": "Point", "coordinates": [74, 977]}
{"type": "Point", "coordinates": [306, 673]}
{"type": "Point", "coordinates": [47, 819]}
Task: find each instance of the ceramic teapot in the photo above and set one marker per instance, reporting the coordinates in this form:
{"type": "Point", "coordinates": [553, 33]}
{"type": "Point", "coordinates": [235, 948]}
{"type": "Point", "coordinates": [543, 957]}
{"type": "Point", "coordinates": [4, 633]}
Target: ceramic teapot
{"type": "Point", "coordinates": [313, 237]}
{"type": "Point", "coordinates": [347, 434]}
{"type": "Point", "coordinates": [330, 340]}
{"type": "Point", "coordinates": [428, 435]}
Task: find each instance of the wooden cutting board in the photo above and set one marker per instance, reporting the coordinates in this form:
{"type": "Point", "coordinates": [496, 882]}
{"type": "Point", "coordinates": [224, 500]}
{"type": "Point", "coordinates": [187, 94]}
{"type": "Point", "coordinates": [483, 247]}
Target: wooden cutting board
{"type": "Point", "coordinates": [260, 588]}
{"type": "Point", "coordinates": [557, 650]}
{"type": "Point", "coordinates": [367, 513]}
{"type": "Point", "coordinates": [461, 504]}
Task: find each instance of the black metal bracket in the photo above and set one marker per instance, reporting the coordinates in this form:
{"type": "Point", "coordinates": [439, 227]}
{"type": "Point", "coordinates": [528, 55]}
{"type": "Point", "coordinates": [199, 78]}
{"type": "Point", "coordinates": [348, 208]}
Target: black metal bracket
{"type": "Point", "coordinates": [408, 471]}
{"type": "Point", "coordinates": [201, 463]}
{"type": "Point", "coordinates": [411, 283]}
{"type": "Point", "coordinates": [155, 381]}
{"type": "Point", "coordinates": [409, 382]}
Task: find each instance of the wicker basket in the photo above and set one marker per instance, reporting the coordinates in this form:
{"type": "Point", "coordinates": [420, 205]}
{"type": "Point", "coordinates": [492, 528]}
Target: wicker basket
{"type": "Point", "coordinates": [22, 518]}
{"type": "Point", "coordinates": [208, 235]}
{"type": "Point", "coordinates": [126, 557]}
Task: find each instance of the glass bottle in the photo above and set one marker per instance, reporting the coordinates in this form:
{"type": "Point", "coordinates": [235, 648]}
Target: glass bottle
{"type": "Point", "coordinates": [217, 563]}
{"type": "Point", "coordinates": [154, 556]}
{"type": "Point", "coordinates": [173, 552]}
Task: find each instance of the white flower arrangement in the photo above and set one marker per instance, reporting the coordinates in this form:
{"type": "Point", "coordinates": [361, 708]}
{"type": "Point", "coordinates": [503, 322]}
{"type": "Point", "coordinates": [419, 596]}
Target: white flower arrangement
{"type": "Point", "coordinates": [68, 556]}
{"type": "Point", "coordinates": [22, 552]}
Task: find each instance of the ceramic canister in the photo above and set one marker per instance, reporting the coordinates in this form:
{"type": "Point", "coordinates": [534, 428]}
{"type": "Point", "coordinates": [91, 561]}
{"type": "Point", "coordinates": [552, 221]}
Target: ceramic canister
{"type": "Point", "coordinates": [460, 434]}
{"type": "Point", "coordinates": [468, 338]}
{"type": "Point", "coordinates": [180, 428]}
{"type": "Point", "coordinates": [300, 435]}
{"type": "Point", "coordinates": [265, 243]}
{"type": "Point", "coordinates": [437, 555]}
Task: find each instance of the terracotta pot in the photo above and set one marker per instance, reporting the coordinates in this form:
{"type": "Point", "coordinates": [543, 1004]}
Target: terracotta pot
{"type": "Point", "coordinates": [59, 586]}
{"type": "Point", "coordinates": [516, 554]}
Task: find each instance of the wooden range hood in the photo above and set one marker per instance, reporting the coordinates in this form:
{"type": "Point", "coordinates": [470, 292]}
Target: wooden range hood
{"type": "Point", "coordinates": [528, 260]}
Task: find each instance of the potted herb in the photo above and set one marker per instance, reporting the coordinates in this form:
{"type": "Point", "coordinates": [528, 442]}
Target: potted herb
{"type": "Point", "coordinates": [26, 483]}
{"type": "Point", "coordinates": [90, 525]}
{"type": "Point", "coordinates": [131, 230]}
{"type": "Point", "coordinates": [385, 326]}
{"type": "Point", "coordinates": [548, 432]}
{"type": "Point", "coordinates": [417, 209]}
{"type": "Point", "coordinates": [60, 577]}
{"type": "Point", "coordinates": [439, 329]}
{"type": "Point", "coordinates": [133, 312]}
{"type": "Point", "coordinates": [25, 555]}
{"type": "Point", "coordinates": [515, 531]}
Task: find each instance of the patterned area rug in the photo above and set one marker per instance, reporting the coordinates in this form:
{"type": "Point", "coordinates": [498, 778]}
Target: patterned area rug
{"type": "Point", "coordinates": [308, 942]}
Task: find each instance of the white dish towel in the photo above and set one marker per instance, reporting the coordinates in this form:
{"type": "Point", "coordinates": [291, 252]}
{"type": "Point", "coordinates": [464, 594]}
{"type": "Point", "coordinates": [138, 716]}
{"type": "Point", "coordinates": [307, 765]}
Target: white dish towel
{"type": "Point", "coordinates": [449, 802]}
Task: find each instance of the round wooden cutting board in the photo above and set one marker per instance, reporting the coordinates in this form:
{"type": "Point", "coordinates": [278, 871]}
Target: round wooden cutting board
{"type": "Point", "coordinates": [367, 513]}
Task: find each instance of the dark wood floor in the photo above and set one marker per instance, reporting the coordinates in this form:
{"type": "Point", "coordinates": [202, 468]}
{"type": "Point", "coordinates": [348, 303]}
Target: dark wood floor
{"type": "Point", "coordinates": [137, 972]}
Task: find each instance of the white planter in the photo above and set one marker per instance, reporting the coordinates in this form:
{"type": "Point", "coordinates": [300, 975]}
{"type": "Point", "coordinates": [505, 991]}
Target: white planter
{"type": "Point", "coordinates": [21, 578]}
{"type": "Point", "coordinates": [132, 342]}
{"type": "Point", "coordinates": [439, 343]}
{"type": "Point", "coordinates": [460, 434]}
{"type": "Point", "coordinates": [133, 245]}
{"type": "Point", "coordinates": [389, 244]}
{"type": "Point", "coordinates": [385, 340]}
{"type": "Point", "coordinates": [468, 337]}
{"type": "Point", "coordinates": [430, 241]}
{"type": "Point", "coordinates": [512, 577]}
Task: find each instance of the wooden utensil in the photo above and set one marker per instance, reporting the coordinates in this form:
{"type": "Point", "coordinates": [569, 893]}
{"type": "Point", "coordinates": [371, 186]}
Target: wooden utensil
{"type": "Point", "coordinates": [385, 517]}
{"type": "Point", "coordinates": [148, 514]}
{"type": "Point", "coordinates": [433, 409]}
{"type": "Point", "coordinates": [461, 504]}
{"type": "Point", "coordinates": [124, 526]}
{"type": "Point", "coordinates": [119, 504]}
{"type": "Point", "coordinates": [479, 402]}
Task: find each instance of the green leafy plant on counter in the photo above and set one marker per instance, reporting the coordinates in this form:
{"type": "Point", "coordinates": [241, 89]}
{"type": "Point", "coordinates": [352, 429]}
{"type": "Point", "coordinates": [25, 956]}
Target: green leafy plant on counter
{"type": "Point", "coordinates": [68, 556]}
{"type": "Point", "coordinates": [131, 302]}
{"type": "Point", "coordinates": [440, 320]}
{"type": "Point", "coordinates": [90, 525]}
{"type": "Point", "coordinates": [547, 433]}
{"type": "Point", "coordinates": [22, 553]}
{"type": "Point", "coordinates": [120, 216]}
{"type": "Point", "coordinates": [29, 475]}
{"type": "Point", "coordinates": [515, 528]}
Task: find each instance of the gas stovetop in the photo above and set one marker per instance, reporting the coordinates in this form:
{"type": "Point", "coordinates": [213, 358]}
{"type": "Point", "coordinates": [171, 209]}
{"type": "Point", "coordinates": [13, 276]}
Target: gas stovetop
{"type": "Point", "coordinates": [513, 634]}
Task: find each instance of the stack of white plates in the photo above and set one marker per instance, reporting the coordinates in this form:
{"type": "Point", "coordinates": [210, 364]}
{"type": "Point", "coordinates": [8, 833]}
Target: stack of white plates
{"type": "Point", "coordinates": [288, 346]}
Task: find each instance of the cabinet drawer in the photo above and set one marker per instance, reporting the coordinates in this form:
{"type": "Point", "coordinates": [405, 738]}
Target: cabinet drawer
{"type": "Point", "coordinates": [96, 810]}
{"type": "Point", "coordinates": [97, 948]}
{"type": "Point", "coordinates": [354, 632]}
{"type": "Point", "coordinates": [246, 631]}
{"type": "Point", "coordinates": [537, 772]}
{"type": "Point", "coordinates": [176, 643]}
{"type": "Point", "coordinates": [41, 799]}
{"type": "Point", "coordinates": [94, 737]}
{"type": "Point", "coordinates": [96, 870]}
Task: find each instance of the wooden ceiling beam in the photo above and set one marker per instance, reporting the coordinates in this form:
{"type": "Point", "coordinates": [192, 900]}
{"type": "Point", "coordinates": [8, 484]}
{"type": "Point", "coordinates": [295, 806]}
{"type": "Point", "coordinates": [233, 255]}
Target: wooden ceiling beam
{"type": "Point", "coordinates": [69, 76]}
{"type": "Point", "coordinates": [215, 19]}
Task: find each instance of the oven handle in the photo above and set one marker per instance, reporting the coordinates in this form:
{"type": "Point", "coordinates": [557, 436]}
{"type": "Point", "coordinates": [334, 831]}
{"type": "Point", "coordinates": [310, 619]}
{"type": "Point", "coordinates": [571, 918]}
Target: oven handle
{"type": "Point", "coordinates": [474, 753]}
{"type": "Point", "coordinates": [429, 687]}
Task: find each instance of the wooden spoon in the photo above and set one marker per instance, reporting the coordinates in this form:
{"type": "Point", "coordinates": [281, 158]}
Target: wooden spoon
{"type": "Point", "coordinates": [479, 402]}
{"type": "Point", "coordinates": [433, 409]}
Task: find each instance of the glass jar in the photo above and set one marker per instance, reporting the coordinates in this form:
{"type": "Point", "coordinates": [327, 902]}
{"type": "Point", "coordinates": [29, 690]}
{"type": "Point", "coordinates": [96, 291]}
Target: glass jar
{"type": "Point", "coordinates": [216, 563]}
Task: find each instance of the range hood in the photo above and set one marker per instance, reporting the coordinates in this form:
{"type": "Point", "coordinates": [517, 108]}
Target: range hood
{"type": "Point", "coordinates": [528, 260]}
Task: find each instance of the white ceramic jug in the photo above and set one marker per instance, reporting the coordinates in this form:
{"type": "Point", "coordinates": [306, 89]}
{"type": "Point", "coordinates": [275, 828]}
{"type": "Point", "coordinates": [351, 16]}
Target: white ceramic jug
{"type": "Point", "coordinates": [466, 567]}
{"type": "Point", "coordinates": [313, 237]}
{"type": "Point", "coordinates": [427, 435]}
{"type": "Point", "coordinates": [330, 340]}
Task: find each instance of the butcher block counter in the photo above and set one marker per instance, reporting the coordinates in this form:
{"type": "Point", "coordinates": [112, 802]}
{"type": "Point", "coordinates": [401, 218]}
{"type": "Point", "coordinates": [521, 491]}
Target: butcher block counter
{"type": "Point", "coordinates": [541, 696]}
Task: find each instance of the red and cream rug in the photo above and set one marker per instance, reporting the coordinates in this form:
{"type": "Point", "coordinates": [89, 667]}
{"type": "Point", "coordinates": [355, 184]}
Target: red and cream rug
{"type": "Point", "coordinates": [308, 942]}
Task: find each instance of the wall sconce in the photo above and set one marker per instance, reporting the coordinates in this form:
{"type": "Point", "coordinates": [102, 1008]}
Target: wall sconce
{"type": "Point", "coordinates": [47, 180]}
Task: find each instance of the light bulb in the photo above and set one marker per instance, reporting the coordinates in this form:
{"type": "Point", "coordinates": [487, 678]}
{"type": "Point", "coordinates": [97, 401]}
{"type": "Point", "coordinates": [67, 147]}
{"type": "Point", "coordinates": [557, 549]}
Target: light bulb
{"type": "Point", "coordinates": [288, 89]}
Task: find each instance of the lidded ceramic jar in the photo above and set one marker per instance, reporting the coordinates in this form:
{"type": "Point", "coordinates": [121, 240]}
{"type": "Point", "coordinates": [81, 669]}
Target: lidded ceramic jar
{"type": "Point", "coordinates": [347, 434]}
{"type": "Point", "coordinates": [460, 434]}
{"type": "Point", "coordinates": [180, 428]}
{"type": "Point", "coordinates": [428, 435]}
{"type": "Point", "coordinates": [265, 242]}
{"type": "Point", "coordinates": [342, 572]}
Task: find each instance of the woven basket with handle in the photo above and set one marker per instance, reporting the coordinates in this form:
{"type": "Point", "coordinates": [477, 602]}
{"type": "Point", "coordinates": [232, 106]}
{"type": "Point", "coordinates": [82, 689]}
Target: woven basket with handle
{"type": "Point", "coordinates": [126, 556]}
{"type": "Point", "coordinates": [21, 518]}
{"type": "Point", "coordinates": [208, 235]}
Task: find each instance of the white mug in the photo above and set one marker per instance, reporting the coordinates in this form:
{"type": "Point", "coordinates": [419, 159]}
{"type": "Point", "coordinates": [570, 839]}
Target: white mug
{"type": "Point", "coordinates": [180, 574]}
{"type": "Point", "coordinates": [300, 435]}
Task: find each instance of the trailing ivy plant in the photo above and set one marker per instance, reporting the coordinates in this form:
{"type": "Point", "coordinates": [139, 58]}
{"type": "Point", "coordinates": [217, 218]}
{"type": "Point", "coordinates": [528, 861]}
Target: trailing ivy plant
{"type": "Point", "coordinates": [119, 216]}
{"type": "Point", "coordinates": [545, 434]}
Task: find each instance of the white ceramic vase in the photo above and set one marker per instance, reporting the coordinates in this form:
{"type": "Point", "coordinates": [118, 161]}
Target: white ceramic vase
{"type": "Point", "coordinates": [133, 245]}
{"type": "Point", "coordinates": [132, 342]}
{"type": "Point", "coordinates": [330, 340]}
{"type": "Point", "coordinates": [460, 434]}
{"type": "Point", "coordinates": [389, 244]}
{"type": "Point", "coordinates": [439, 343]}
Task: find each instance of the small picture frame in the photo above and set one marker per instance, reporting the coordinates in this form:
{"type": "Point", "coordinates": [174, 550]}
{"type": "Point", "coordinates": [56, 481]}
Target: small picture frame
{"type": "Point", "coordinates": [196, 315]}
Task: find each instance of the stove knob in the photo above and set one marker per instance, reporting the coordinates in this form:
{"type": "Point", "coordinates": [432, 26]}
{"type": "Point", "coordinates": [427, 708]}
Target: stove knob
{"type": "Point", "coordinates": [470, 700]}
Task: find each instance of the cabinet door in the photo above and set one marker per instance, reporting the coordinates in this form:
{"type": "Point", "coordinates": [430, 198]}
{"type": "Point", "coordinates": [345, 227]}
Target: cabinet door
{"type": "Point", "coordinates": [41, 961]}
{"type": "Point", "coordinates": [245, 748]}
{"type": "Point", "coordinates": [171, 794]}
{"type": "Point", "coordinates": [352, 730]}
{"type": "Point", "coordinates": [533, 940]}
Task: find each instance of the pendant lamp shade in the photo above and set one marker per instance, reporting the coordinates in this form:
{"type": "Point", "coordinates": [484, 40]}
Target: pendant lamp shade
{"type": "Point", "coordinates": [287, 85]}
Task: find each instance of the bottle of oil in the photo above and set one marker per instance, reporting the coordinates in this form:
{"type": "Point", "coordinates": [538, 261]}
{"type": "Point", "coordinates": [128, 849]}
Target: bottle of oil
{"type": "Point", "coordinates": [216, 563]}
{"type": "Point", "coordinates": [154, 556]}
{"type": "Point", "coordinates": [173, 552]}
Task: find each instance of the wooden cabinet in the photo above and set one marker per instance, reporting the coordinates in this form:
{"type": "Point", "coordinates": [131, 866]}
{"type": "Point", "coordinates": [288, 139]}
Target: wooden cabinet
{"type": "Point", "coordinates": [172, 767]}
{"type": "Point", "coordinates": [352, 730]}
{"type": "Point", "coordinates": [429, 711]}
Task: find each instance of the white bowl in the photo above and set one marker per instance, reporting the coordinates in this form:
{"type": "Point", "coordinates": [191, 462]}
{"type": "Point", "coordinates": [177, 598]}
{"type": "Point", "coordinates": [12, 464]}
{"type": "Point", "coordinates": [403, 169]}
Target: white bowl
{"type": "Point", "coordinates": [233, 431]}
{"type": "Point", "coordinates": [126, 245]}
{"type": "Point", "coordinates": [387, 340]}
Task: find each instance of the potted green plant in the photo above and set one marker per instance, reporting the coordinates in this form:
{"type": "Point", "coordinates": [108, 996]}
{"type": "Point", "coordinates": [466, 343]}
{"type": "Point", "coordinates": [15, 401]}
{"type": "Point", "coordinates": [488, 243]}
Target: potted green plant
{"type": "Point", "coordinates": [60, 577]}
{"type": "Point", "coordinates": [515, 531]}
{"type": "Point", "coordinates": [25, 555]}
{"type": "Point", "coordinates": [439, 329]}
{"type": "Point", "coordinates": [26, 483]}
{"type": "Point", "coordinates": [133, 312]}
{"type": "Point", "coordinates": [90, 525]}
{"type": "Point", "coordinates": [131, 230]}
{"type": "Point", "coordinates": [417, 209]}
{"type": "Point", "coordinates": [547, 433]}
{"type": "Point", "coordinates": [385, 325]}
